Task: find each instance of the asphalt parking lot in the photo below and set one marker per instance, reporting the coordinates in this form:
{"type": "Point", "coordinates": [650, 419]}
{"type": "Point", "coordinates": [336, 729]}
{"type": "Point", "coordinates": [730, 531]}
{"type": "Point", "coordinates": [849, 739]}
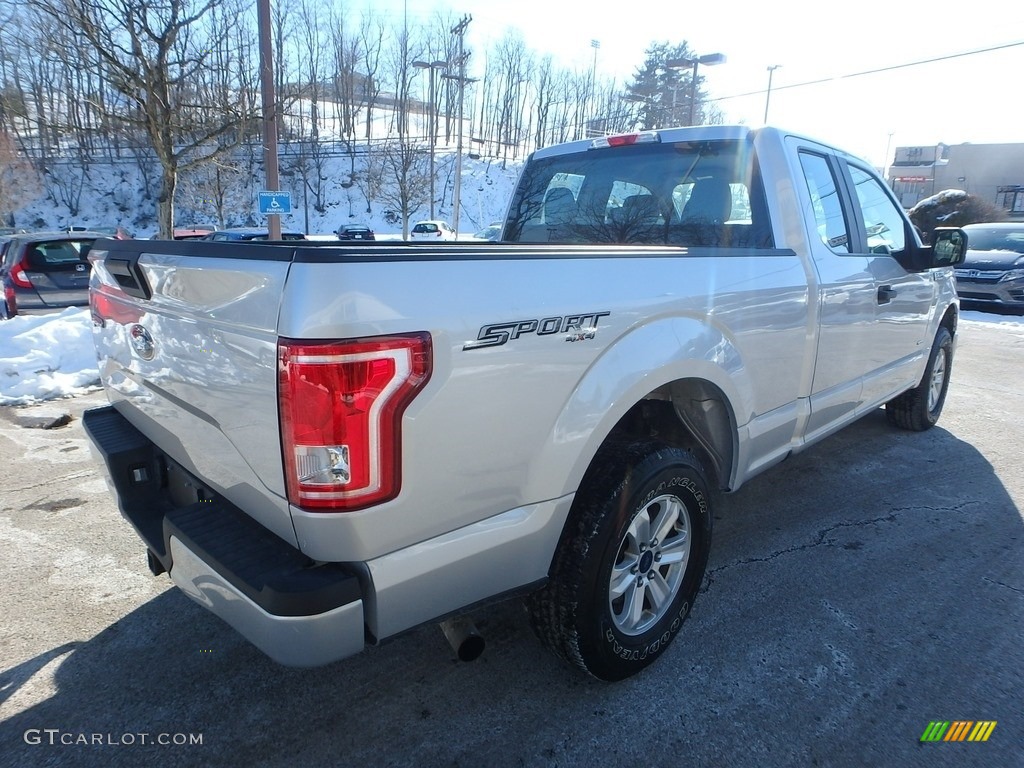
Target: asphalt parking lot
{"type": "Point", "coordinates": [855, 594]}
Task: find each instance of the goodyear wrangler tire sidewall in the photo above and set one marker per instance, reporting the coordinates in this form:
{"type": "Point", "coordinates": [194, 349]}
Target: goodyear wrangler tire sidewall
{"type": "Point", "coordinates": [608, 653]}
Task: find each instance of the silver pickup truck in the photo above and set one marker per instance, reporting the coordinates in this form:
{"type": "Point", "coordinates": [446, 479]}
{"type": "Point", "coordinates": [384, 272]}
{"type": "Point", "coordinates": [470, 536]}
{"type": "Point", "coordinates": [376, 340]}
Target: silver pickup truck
{"type": "Point", "coordinates": [327, 445]}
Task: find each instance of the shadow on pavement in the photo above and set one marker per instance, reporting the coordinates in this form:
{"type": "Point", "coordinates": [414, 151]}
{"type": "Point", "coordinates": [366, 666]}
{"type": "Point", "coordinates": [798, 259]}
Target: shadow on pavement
{"type": "Point", "coordinates": [854, 594]}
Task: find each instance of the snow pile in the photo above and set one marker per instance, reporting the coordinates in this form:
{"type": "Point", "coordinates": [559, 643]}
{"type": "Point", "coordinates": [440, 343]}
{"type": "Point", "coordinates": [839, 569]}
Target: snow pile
{"type": "Point", "coordinates": [1005, 322]}
{"type": "Point", "coordinates": [945, 198]}
{"type": "Point", "coordinates": [43, 357]}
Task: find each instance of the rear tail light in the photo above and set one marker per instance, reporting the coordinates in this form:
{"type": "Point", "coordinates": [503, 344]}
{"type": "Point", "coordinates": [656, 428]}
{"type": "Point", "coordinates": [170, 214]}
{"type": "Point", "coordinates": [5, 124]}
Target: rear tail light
{"type": "Point", "coordinates": [341, 406]}
{"type": "Point", "coordinates": [18, 276]}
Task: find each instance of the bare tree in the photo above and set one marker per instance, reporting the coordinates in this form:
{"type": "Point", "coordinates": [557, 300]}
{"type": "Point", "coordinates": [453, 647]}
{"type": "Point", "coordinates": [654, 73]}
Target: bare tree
{"type": "Point", "coordinates": [514, 72]}
{"type": "Point", "coordinates": [407, 168]}
{"type": "Point", "coordinates": [312, 157]}
{"type": "Point", "coordinates": [19, 182]}
{"type": "Point", "coordinates": [371, 34]}
{"type": "Point", "coordinates": [215, 190]}
{"type": "Point", "coordinates": [159, 58]}
{"type": "Point", "coordinates": [346, 82]}
{"type": "Point", "coordinates": [370, 180]}
{"type": "Point", "coordinates": [442, 45]}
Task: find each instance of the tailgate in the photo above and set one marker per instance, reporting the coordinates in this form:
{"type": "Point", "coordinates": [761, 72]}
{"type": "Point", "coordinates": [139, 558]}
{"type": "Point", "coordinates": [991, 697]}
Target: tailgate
{"type": "Point", "coordinates": [59, 271]}
{"type": "Point", "coordinates": [187, 349]}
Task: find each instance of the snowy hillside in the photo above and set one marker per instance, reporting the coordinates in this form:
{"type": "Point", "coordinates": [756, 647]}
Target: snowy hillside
{"type": "Point", "coordinates": [113, 194]}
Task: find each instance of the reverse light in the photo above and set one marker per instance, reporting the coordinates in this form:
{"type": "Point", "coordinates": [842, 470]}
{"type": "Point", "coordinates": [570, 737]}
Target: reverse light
{"type": "Point", "coordinates": [341, 405]}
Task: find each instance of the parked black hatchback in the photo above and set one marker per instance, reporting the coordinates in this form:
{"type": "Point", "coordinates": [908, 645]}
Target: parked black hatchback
{"type": "Point", "coordinates": [45, 270]}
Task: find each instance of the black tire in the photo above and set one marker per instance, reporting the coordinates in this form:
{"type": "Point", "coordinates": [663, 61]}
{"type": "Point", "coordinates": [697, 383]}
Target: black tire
{"type": "Point", "coordinates": [627, 487]}
{"type": "Point", "coordinates": [919, 408]}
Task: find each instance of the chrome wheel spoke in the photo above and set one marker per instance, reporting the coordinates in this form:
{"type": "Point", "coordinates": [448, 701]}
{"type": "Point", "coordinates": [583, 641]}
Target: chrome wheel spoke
{"type": "Point", "coordinates": [666, 519]}
{"type": "Point", "coordinates": [623, 578]}
{"type": "Point", "coordinates": [676, 549]}
{"type": "Point", "coordinates": [632, 609]}
{"type": "Point", "coordinates": [640, 529]}
{"type": "Point", "coordinates": [659, 592]}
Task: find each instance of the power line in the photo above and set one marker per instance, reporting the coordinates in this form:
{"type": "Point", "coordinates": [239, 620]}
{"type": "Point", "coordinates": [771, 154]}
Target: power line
{"type": "Point", "coordinates": [873, 71]}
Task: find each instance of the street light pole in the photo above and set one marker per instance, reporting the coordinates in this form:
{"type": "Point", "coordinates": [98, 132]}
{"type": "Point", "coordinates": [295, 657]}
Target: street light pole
{"type": "Point", "coordinates": [708, 59]}
{"type": "Point", "coordinates": [460, 30]}
{"type": "Point", "coordinates": [768, 96]}
{"type": "Point", "coordinates": [431, 66]}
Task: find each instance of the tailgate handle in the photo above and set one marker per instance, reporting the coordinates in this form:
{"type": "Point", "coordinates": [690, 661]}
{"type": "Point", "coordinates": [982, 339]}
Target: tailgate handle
{"type": "Point", "coordinates": [129, 276]}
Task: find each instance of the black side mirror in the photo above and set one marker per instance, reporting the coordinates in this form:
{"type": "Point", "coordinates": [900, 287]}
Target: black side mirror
{"type": "Point", "coordinates": [949, 247]}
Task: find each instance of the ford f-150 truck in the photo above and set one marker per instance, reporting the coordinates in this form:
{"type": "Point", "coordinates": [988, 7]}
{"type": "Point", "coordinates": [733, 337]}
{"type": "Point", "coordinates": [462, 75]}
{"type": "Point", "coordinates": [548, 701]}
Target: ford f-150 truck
{"type": "Point", "coordinates": [327, 445]}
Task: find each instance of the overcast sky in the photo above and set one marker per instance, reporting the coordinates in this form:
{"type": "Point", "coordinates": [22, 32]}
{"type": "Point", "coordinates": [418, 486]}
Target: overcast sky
{"type": "Point", "coordinates": [973, 98]}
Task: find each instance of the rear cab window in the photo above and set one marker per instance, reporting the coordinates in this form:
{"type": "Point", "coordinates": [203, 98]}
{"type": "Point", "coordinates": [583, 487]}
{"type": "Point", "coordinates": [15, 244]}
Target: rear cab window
{"type": "Point", "coordinates": [690, 194]}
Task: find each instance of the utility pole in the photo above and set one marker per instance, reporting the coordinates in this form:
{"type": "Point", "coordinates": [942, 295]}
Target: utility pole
{"type": "Point", "coordinates": [460, 30]}
{"type": "Point", "coordinates": [431, 66]}
{"type": "Point", "coordinates": [269, 113]}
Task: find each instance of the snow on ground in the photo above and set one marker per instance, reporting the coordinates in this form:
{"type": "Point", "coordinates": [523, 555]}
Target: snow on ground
{"type": "Point", "coordinates": [45, 357]}
{"type": "Point", "coordinates": [1012, 323]}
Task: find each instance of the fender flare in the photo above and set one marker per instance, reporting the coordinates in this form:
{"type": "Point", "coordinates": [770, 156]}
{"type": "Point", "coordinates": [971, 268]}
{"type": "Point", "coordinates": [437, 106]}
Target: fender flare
{"type": "Point", "coordinates": [636, 364]}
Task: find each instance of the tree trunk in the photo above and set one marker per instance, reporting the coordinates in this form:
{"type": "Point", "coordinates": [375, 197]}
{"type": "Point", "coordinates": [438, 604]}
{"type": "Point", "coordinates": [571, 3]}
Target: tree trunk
{"type": "Point", "coordinates": [165, 202]}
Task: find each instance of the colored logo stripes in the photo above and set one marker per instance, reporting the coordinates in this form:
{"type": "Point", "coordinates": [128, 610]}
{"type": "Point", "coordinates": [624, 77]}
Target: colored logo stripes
{"type": "Point", "coordinates": [958, 730]}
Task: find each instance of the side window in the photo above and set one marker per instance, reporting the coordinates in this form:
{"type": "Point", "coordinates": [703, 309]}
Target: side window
{"type": "Point", "coordinates": [828, 209]}
{"type": "Point", "coordinates": [883, 222]}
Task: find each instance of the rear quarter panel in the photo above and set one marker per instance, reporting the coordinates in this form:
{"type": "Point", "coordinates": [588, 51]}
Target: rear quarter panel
{"type": "Point", "coordinates": [505, 426]}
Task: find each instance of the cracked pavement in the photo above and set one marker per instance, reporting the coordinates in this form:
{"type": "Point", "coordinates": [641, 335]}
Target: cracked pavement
{"type": "Point", "coordinates": [855, 593]}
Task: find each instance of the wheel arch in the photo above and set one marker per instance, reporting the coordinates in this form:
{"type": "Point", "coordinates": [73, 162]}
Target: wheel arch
{"type": "Point", "coordinates": [949, 319]}
{"type": "Point", "coordinates": [679, 380]}
{"type": "Point", "coordinates": [690, 413]}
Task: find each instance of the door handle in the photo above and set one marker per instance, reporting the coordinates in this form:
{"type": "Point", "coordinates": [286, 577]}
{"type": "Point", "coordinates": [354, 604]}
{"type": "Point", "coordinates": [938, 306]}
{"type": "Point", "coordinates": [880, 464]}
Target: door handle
{"type": "Point", "coordinates": [885, 294]}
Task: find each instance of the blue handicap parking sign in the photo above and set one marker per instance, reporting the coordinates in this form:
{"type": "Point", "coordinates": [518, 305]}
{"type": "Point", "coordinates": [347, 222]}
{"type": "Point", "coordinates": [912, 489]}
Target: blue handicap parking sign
{"type": "Point", "coordinates": [275, 202]}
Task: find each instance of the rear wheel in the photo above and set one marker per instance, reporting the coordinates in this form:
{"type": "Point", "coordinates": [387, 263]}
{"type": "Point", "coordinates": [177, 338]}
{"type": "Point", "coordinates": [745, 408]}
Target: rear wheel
{"type": "Point", "coordinates": [630, 561]}
{"type": "Point", "coordinates": [919, 408]}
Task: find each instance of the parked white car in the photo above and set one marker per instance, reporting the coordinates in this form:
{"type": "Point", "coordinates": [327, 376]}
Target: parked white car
{"type": "Point", "coordinates": [432, 231]}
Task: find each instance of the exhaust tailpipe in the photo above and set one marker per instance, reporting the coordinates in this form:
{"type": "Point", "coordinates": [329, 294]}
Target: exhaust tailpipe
{"type": "Point", "coordinates": [464, 638]}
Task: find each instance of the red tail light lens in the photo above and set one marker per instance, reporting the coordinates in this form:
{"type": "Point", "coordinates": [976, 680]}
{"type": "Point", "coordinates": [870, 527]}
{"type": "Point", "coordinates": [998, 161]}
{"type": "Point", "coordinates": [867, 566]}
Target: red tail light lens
{"type": "Point", "coordinates": [18, 275]}
{"type": "Point", "coordinates": [341, 408]}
